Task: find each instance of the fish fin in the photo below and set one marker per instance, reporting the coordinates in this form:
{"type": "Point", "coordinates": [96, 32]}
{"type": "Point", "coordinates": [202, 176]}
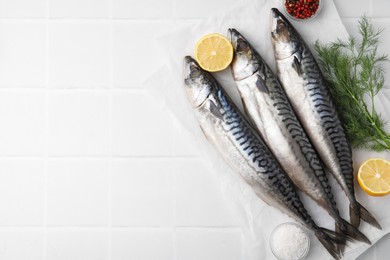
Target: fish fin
{"type": "Point", "coordinates": [340, 238]}
{"type": "Point", "coordinates": [354, 215]}
{"type": "Point", "coordinates": [331, 241]}
{"type": "Point", "coordinates": [357, 212]}
{"type": "Point", "coordinates": [261, 86]}
{"type": "Point", "coordinates": [339, 229]}
{"type": "Point", "coordinates": [215, 111]}
{"type": "Point", "coordinates": [297, 66]}
{"type": "Point", "coordinates": [344, 227]}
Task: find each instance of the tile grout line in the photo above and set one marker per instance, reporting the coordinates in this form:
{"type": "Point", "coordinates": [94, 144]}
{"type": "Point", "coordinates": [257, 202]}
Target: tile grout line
{"type": "Point", "coordinates": [376, 18]}
{"type": "Point", "coordinates": [96, 157]}
{"type": "Point", "coordinates": [129, 228]}
{"type": "Point", "coordinates": [174, 208]}
{"type": "Point", "coordinates": [73, 89]}
{"type": "Point", "coordinates": [46, 153]}
{"type": "Point", "coordinates": [370, 8]}
{"type": "Point", "coordinates": [89, 20]}
{"type": "Point", "coordinates": [174, 14]}
{"type": "Point", "coordinates": [174, 169]}
{"type": "Point", "coordinates": [242, 244]}
{"type": "Point", "coordinates": [85, 228]}
{"type": "Point", "coordinates": [110, 100]}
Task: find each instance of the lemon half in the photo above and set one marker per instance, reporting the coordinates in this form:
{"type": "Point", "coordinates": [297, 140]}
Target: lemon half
{"type": "Point", "coordinates": [214, 52]}
{"type": "Point", "coordinates": [374, 177]}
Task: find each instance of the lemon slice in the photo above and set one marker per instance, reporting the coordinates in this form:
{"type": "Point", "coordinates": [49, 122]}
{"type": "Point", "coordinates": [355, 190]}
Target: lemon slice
{"type": "Point", "coordinates": [214, 52]}
{"type": "Point", "coordinates": [374, 177]}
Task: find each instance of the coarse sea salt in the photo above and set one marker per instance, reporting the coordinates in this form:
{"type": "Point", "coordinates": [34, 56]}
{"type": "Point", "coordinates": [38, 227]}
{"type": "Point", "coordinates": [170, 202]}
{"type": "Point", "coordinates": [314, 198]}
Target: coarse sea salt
{"type": "Point", "coordinates": [289, 242]}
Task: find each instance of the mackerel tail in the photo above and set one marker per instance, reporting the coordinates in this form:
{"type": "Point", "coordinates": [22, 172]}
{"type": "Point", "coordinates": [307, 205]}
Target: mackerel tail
{"type": "Point", "coordinates": [238, 143]}
{"type": "Point", "coordinates": [311, 99]}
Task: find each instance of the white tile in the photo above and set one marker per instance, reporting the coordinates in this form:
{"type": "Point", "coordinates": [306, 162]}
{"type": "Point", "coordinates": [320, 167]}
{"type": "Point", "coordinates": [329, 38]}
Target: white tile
{"type": "Point", "coordinates": [78, 123]}
{"type": "Point", "coordinates": [77, 193]}
{"type": "Point", "coordinates": [209, 244]}
{"type": "Point", "coordinates": [79, 55]}
{"type": "Point", "coordinates": [22, 8]}
{"type": "Point", "coordinates": [22, 52]}
{"type": "Point", "coordinates": [136, 53]}
{"type": "Point", "coordinates": [142, 192]}
{"type": "Point", "coordinates": [139, 126]}
{"type": "Point", "coordinates": [351, 25]}
{"type": "Point", "coordinates": [21, 245]}
{"type": "Point", "coordinates": [79, 8]}
{"type": "Point", "coordinates": [142, 245]}
{"type": "Point", "coordinates": [379, 251]}
{"type": "Point", "coordinates": [142, 9]}
{"type": "Point", "coordinates": [77, 245]}
{"type": "Point", "coordinates": [21, 193]}
{"type": "Point", "coordinates": [380, 8]}
{"type": "Point", "coordinates": [357, 8]}
{"type": "Point", "coordinates": [384, 42]}
{"type": "Point", "coordinates": [184, 143]}
{"type": "Point", "coordinates": [22, 117]}
{"type": "Point", "coordinates": [384, 37]}
{"type": "Point", "coordinates": [195, 9]}
{"type": "Point", "coordinates": [200, 201]}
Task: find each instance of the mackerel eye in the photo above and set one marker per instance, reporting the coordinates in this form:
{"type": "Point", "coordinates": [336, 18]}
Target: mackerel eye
{"type": "Point", "coordinates": [195, 72]}
{"type": "Point", "coordinates": [241, 45]}
{"type": "Point", "coordinates": [281, 26]}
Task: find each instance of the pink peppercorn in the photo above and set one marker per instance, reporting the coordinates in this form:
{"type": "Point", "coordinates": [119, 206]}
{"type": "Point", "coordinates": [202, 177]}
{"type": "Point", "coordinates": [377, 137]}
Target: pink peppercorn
{"type": "Point", "coordinates": [302, 9]}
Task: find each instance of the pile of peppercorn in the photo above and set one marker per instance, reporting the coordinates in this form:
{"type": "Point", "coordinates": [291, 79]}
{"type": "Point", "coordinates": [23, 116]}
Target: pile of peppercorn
{"type": "Point", "coordinates": [302, 9]}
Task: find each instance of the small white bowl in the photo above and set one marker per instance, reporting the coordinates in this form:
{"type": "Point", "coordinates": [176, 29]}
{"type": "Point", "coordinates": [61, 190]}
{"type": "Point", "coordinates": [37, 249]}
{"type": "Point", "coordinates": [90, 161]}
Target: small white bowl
{"type": "Point", "coordinates": [271, 241]}
{"type": "Point", "coordinates": [300, 19]}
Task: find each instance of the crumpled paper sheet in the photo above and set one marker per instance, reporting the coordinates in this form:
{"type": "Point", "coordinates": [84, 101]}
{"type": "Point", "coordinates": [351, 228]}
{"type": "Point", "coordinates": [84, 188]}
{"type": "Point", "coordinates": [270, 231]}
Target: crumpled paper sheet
{"type": "Point", "coordinates": [258, 219]}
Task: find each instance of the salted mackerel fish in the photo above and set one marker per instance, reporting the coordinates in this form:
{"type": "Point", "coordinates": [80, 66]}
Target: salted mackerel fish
{"type": "Point", "coordinates": [269, 110]}
{"type": "Point", "coordinates": [238, 143]}
{"type": "Point", "coordinates": [310, 97]}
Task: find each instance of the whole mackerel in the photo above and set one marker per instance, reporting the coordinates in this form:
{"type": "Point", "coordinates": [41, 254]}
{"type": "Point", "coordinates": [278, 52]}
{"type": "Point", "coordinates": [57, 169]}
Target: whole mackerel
{"type": "Point", "coordinates": [270, 111]}
{"type": "Point", "coordinates": [226, 128]}
{"type": "Point", "coordinates": [310, 97]}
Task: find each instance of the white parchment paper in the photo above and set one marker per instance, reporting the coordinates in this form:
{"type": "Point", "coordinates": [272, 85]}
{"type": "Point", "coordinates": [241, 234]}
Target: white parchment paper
{"type": "Point", "coordinates": [258, 219]}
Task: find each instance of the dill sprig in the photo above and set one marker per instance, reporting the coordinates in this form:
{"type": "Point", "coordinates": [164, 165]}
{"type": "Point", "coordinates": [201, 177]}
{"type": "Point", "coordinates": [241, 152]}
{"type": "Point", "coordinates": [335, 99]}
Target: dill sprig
{"type": "Point", "coordinates": [355, 75]}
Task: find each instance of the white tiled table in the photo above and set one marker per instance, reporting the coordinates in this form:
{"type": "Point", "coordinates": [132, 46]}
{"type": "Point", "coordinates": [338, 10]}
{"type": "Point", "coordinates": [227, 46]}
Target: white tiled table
{"type": "Point", "coordinates": [90, 168]}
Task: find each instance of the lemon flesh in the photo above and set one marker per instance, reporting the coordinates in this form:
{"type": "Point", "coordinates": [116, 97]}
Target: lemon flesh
{"type": "Point", "coordinates": [213, 52]}
{"type": "Point", "coordinates": [374, 177]}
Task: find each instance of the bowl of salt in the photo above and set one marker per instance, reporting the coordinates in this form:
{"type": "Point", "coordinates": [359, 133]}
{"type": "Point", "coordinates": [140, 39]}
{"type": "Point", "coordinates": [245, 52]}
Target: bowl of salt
{"type": "Point", "coordinates": [289, 241]}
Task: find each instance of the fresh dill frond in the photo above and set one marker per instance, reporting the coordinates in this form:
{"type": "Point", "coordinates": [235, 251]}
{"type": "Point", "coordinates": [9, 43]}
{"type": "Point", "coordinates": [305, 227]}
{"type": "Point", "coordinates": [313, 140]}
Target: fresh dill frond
{"type": "Point", "coordinates": [354, 72]}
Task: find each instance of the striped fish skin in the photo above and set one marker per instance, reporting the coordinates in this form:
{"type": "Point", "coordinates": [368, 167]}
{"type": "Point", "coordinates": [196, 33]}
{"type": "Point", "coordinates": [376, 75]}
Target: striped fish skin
{"type": "Point", "coordinates": [310, 97]}
{"type": "Point", "coordinates": [271, 113]}
{"type": "Point", "coordinates": [226, 128]}
{"type": "Point", "coordinates": [238, 143]}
